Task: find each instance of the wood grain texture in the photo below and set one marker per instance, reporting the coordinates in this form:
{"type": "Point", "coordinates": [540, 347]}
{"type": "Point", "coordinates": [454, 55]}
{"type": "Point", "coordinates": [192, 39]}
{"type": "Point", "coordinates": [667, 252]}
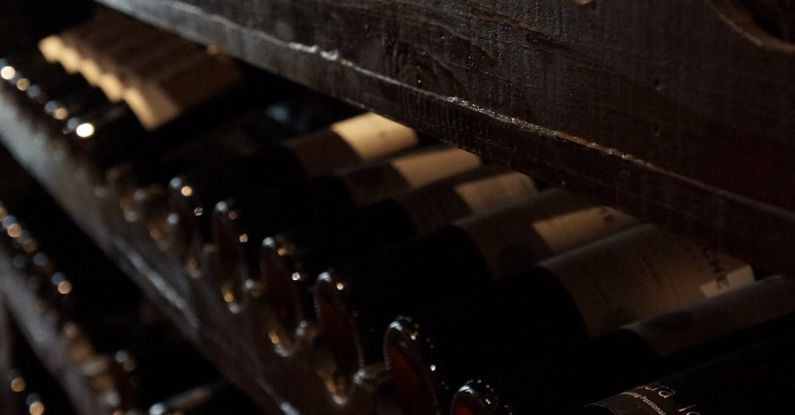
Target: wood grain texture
{"type": "Point", "coordinates": [679, 111]}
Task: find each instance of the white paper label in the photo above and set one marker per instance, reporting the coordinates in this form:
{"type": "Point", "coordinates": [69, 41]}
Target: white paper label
{"type": "Point", "coordinates": [51, 47]}
{"type": "Point", "coordinates": [739, 278]}
{"type": "Point", "coordinates": [640, 273]}
{"type": "Point", "coordinates": [372, 136]}
{"type": "Point", "coordinates": [564, 230]}
{"type": "Point", "coordinates": [741, 309]}
{"type": "Point", "coordinates": [509, 240]}
{"type": "Point", "coordinates": [427, 167]}
{"type": "Point", "coordinates": [486, 194]}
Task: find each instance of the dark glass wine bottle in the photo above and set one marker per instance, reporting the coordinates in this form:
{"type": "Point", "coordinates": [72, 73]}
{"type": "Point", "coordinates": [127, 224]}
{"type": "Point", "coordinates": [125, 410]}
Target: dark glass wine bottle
{"type": "Point", "coordinates": [73, 104]}
{"type": "Point", "coordinates": [291, 261]}
{"type": "Point", "coordinates": [101, 134]}
{"type": "Point", "coordinates": [211, 399]}
{"type": "Point", "coordinates": [159, 371]}
{"type": "Point", "coordinates": [91, 47]}
{"type": "Point", "coordinates": [88, 291]}
{"type": "Point", "coordinates": [564, 300]}
{"type": "Point", "coordinates": [281, 165]}
{"type": "Point", "coordinates": [28, 64]}
{"type": "Point", "coordinates": [756, 380]}
{"type": "Point", "coordinates": [66, 47]}
{"type": "Point", "coordinates": [126, 73]}
{"type": "Point", "coordinates": [33, 390]}
{"type": "Point", "coordinates": [39, 80]}
{"type": "Point", "coordinates": [139, 47]}
{"type": "Point", "coordinates": [240, 136]}
{"type": "Point", "coordinates": [526, 382]}
{"type": "Point", "coordinates": [161, 97]}
{"type": "Point", "coordinates": [355, 304]}
{"type": "Point", "coordinates": [240, 227]}
{"type": "Point", "coordinates": [113, 133]}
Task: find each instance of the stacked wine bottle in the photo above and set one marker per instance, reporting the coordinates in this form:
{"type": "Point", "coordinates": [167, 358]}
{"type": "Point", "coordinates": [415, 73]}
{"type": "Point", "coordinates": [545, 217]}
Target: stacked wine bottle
{"type": "Point", "coordinates": [130, 354]}
{"type": "Point", "coordinates": [310, 222]}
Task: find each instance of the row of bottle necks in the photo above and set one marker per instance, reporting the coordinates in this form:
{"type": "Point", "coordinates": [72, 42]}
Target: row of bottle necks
{"type": "Point", "coordinates": [403, 250]}
{"type": "Point", "coordinates": [31, 390]}
{"type": "Point", "coordinates": [133, 359]}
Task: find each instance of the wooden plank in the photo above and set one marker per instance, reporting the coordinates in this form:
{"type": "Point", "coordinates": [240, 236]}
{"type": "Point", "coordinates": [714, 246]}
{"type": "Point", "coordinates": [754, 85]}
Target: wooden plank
{"type": "Point", "coordinates": [51, 345]}
{"type": "Point", "coordinates": [678, 111]}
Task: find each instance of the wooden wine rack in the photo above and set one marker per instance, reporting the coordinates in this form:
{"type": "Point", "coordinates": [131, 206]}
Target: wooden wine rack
{"type": "Point", "coordinates": [677, 111]}
{"type": "Point", "coordinates": [278, 384]}
{"type": "Point", "coordinates": [51, 345]}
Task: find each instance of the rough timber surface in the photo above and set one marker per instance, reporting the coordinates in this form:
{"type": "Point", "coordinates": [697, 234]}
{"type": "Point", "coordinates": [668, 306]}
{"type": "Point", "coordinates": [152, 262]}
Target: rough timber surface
{"type": "Point", "coordinates": [679, 111]}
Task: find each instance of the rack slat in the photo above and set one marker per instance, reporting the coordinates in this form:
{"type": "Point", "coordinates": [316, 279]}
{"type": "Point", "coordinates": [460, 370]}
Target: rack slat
{"type": "Point", "coordinates": [677, 111]}
{"type": "Point", "coordinates": [51, 345]}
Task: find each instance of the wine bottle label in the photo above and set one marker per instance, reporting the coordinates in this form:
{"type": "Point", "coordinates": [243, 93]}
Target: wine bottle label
{"type": "Point", "coordinates": [371, 183]}
{"type": "Point", "coordinates": [565, 229]}
{"type": "Point", "coordinates": [756, 380]}
{"type": "Point", "coordinates": [478, 191]}
{"type": "Point", "coordinates": [215, 149]}
{"type": "Point", "coordinates": [427, 167]}
{"type": "Point", "coordinates": [641, 273]}
{"type": "Point", "coordinates": [372, 136]}
{"type": "Point", "coordinates": [761, 302]}
{"type": "Point", "coordinates": [51, 47]}
{"type": "Point", "coordinates": [652, 399]}
{"type": "Point", "coordinates": [486, 194]}
{"type": "Point", "coordinates": [511, 239]}
{"type": "Point", "coordinates": [184, 85]}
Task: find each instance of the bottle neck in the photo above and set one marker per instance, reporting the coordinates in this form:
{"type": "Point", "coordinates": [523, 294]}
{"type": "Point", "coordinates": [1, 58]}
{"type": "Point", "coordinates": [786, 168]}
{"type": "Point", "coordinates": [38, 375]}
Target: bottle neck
{"type": "Point", "coordinates": [477, 398]}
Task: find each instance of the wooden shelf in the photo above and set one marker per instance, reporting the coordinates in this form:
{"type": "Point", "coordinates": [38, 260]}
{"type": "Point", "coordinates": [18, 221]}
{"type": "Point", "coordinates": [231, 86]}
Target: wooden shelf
{"type": "Point", "coordinates": [279, 384]}
{"type": "Point", "coordinates": [677, 111]}
{"type": "Point", "coordinates": [52, 346]}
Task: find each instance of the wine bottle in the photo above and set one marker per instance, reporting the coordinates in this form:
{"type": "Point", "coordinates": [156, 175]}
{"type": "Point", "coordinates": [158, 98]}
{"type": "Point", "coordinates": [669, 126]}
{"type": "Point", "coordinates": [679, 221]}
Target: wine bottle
{"type": "Point", "coordinates": [281, 165]}
{"type": "Point", "coordinates": [291, 261]}
{"type": "Point", "coordinates": [125, 73]}
{"type": "Point", "coordinates": [99, 136]}
{"type": "Point", "coordinates": [755, 380]}
{"type": "Point", "coordinates": [636, 353]}
{"type": "Point", "coordinates": [28, 64]}
{"type": "Point", "coordinates": [137, 48]}
{"type": "Point", "coordinates": [240, 227]}
{"type": "Point", "coordinates": [39, 270]}
{"type": "Point", "coordinates": [28, 72]}
{"type": "Point", "coordinates": [65, 47]}
{"type": "Point", "coordinates": [90, 291]}
{"type": "Point", "coordinates": [125, 138]}
{"type": "Point", "coordinates": [17, 386]}
{"type": "Point", "coordinates": [89, 44]}
{"type": "Point", "coordinates": [73, 104]}
{"type": "Point", "coordinates": [355, 304]}
{"type": "Point", "coordinates": [32, 388]}
{"type": "Point", "coordinates": [93, 46]}
{"type": "Point", "coordinates": [54, 86]}
{"type": "Point", "coordinates": [237, 137]}
{"type": "Point", "coordinates": [564, 300]}
{"type": "Point", "coordinates": [211, 399]}
{"type": "Point", "coordinates": [158, 371]}
{"type": "Point", "coordinates": [183, 85]}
